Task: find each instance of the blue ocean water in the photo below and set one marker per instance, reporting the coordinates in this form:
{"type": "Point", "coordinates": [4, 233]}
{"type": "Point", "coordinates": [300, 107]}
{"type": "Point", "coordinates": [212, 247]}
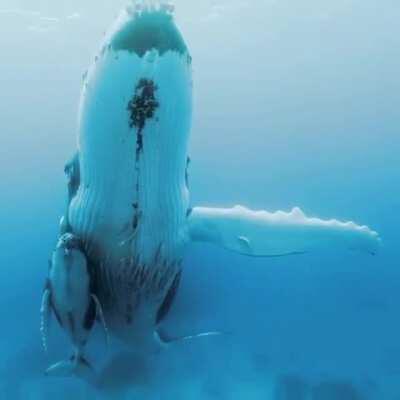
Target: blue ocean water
{"type": "Point", "coordinates": [295, 105]}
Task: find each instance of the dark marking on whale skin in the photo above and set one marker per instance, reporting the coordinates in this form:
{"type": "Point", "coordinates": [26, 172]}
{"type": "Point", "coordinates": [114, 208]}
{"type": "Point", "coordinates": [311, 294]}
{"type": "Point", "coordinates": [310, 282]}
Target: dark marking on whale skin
{"type": "Point", "coordinates": [58, 318]}
{"type": "Point", "coordinates": [136, 215]}
{"type": "Point", "coordinates": [85, 362]}
{"type": "Point", "coordinates": [123, 286]}
{"type": "Point", "coordinates": [188, 161]}
{"type": "Point", "coordinates": [143, 105]}
{"type": "Point", "coordinates": [169, 298]}
{"type": "Point", "coordinates": [72, 170]}
{"type": "Point", "coordinates": [136, 219]}
{"type": "Point", "coordinates": [71, 322]}
{"type": "Point", "coordinates": [147, 31]}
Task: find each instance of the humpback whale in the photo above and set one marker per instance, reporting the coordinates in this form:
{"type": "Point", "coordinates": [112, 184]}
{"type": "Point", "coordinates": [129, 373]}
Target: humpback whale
{"type": "Point", "coordinates": [68, 295]}
{"type": "Point", "coordinates": [128, 199]}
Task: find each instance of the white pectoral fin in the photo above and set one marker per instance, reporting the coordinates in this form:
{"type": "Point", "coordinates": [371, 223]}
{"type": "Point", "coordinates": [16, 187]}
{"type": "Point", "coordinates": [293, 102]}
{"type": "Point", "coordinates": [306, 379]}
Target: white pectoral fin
{"type": "Point", "coordinates": [164, 340]}
{"type": "Point", "coordinates": [75, 366]}
{"type": "Point", "coordinates": [262, 233]}
{"type": "Point", "coordinates": [45, 313]}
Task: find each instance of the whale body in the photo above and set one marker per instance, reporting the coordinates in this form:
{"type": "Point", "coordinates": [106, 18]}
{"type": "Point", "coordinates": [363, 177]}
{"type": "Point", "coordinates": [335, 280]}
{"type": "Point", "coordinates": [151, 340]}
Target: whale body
{"type": "Point", "coordinates": [68, 295]}
{"type": "Point", "coordinates": [131, 205]}
{"type": "Point", "coordinates": [128, 198]}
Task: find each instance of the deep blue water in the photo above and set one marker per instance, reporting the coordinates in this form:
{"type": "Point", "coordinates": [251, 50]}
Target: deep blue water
{"type": "Point", "coordinates": [295, 105]}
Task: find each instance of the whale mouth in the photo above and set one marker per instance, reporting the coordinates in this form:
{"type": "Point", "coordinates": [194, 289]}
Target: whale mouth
{"type": "Point", "coordinates": [149, 28]}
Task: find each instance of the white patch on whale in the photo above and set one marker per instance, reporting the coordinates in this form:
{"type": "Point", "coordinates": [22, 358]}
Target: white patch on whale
{"type": "Point", "coordinates": [262, 233]}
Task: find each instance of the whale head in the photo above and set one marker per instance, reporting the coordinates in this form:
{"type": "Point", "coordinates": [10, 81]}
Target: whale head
{"type": "Point", "coordinates": [148, 28]}
{"type": "Point", "coordinates": [134, 126]}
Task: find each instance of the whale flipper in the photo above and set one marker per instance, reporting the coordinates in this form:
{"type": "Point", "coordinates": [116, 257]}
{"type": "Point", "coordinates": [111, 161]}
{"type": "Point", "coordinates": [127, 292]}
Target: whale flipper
{"type": "Point", "coordinates": [266, 234]}
{"type": "Point", "coordinates": [164, 339]}
{"type": "Point", "coordinates": [45, 312]}
{"type": "Point", "coordinates": [75, 366]}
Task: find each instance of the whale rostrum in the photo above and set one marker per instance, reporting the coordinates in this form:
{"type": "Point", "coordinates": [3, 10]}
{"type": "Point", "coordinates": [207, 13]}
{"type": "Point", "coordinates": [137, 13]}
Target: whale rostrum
{"type": "Point", "coordinates": [128, 217]}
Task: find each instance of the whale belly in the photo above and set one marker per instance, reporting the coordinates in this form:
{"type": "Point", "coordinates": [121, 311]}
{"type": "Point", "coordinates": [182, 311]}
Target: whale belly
{"type": "Point", "coordinates": [131, 206]}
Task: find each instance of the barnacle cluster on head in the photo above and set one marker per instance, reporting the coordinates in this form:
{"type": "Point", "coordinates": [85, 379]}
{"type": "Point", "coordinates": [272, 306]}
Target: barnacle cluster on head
{"type": "Point", "coordinates": [144, 103]}
{"type": "Point", "coordinates": [69, 241]}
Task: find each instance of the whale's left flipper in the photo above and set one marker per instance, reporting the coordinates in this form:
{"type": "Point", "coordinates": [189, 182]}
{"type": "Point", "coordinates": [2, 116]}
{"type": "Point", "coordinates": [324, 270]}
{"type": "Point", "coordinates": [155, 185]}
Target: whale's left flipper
{"type": "Point", "coordinates": [45, 313]}
{"type": "Point", "coordinates": [77, 366]}
{"type": "Point", "coordinates": [164, 340]}
{"type": "Point", "coordinates": [262, 233]}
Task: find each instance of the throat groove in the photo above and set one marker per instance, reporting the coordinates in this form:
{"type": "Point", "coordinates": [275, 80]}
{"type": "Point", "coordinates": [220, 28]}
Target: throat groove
{"type": "Point", "coordinates": [142, 107]}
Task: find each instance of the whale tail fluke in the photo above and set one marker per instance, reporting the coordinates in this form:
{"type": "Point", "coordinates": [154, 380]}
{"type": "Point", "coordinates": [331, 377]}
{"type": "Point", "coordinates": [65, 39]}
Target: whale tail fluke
{"type": "Point", "coordinates": [164, 339]}
{"type": "Point", "coordinates": [75, 366]}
